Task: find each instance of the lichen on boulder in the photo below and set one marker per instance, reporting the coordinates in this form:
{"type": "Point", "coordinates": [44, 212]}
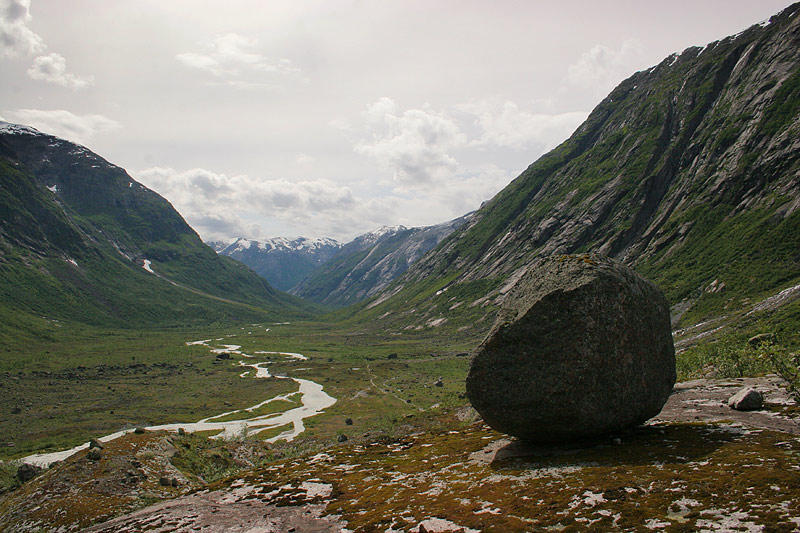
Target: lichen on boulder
{"type": "Point", "coordinates": [581, 347]}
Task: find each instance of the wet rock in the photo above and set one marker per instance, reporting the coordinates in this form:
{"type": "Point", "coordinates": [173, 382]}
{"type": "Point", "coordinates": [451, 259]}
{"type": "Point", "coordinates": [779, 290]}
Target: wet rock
{"type": "Point", "coordinates": [27, 472]}
{"type": "Point", "coordinates": [581, 347]}
{"type": "Point", "coordinates": [746, 399]}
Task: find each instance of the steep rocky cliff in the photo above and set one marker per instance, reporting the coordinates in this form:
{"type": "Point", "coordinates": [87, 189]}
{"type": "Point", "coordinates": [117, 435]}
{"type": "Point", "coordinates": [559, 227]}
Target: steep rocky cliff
{"type": "Point", "coordinates": [688, 171]}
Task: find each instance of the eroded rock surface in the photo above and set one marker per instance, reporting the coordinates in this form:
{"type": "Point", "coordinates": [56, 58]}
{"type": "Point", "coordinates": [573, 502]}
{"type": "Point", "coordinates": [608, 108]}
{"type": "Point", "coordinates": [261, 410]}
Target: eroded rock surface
{"type": "Point", "coordinates": [581, 347]}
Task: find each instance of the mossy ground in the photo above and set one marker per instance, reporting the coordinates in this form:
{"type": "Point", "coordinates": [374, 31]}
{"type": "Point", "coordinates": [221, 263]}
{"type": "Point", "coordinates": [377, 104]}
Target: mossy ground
{"type": "Point", "coordinates": [81, 491]}
{"type": "Point", "coordinates": [671, 477]}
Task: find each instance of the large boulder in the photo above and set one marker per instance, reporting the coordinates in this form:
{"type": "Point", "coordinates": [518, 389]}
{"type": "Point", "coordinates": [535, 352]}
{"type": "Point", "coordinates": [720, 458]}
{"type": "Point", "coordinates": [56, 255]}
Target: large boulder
{"type": "Point", "coordinates": [581, 347]}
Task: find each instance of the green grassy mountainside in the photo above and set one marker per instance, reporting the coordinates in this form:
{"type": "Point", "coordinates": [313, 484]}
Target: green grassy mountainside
{"type": "Point", "coordinates": [77, 232]}
{"type": "Point", "coordinates": [688, 171]}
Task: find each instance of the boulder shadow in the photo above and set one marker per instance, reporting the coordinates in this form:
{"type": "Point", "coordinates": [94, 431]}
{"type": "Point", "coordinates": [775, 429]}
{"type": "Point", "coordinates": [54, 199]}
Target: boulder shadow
{"type": "Point", "coordinates": [641, 446]}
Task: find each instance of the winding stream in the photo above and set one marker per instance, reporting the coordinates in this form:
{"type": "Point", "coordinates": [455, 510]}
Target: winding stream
{"type": "Point", "coordinates": [313, 401]}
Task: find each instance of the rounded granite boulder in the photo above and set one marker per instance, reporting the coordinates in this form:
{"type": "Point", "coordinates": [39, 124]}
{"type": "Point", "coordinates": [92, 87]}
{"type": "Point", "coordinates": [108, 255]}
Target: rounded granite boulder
{"type": "Point", "coordinates": [582, 347]}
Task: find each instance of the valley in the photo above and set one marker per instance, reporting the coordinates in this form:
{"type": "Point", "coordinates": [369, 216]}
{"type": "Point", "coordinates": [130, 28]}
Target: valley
{"type": "Point", "coordinates": [149, 381]}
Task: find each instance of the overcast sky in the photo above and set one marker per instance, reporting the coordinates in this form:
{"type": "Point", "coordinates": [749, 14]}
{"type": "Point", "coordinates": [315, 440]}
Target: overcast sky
{"type": "Point", "coordinates": [285, 118]}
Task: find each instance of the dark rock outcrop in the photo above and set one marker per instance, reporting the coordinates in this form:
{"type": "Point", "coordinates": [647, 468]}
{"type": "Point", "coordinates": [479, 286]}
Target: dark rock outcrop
{"type": "Point", "coordinates": [746, 399]}
{"type": "Point", "coordinates": [26, 472]}
{"type": "Point", "coordinates": [581, 347]}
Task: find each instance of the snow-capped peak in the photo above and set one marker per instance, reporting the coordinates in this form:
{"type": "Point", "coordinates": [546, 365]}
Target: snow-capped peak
{"type": "Point", "coordinates": [281, 243]}
{"type": "Point", "coordinates": [18, 129]}
{"type": "Point", "coordinates": [374, 236]}
{"type": "Point", "coordinates": [241, 244]}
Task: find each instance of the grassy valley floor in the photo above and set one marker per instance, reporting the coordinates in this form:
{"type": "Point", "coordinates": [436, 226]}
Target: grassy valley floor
{"type": "Point", "coordinates": [86, 384]}
{"type": "Point", "coordinates": [400, 430]}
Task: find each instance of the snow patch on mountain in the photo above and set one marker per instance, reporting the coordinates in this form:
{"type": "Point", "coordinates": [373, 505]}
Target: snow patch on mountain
{"type": "Point", "coordinates": [18, 129]}
{"type": "Point", "coordinates": [277, 243]}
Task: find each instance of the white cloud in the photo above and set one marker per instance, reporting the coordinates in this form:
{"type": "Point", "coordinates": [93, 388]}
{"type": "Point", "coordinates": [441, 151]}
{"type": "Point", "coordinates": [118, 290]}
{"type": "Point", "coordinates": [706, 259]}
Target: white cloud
{"type": "Point", "coordinates": [16, 38]}
{"type": "Point", "coordinates": [430, 174]}
{"type": "Point", "coordinates": [233, 56]}
{"type": "Point", "coordinates": [61, 123]}
{"type": "Point", "coordinates": [415, 145]}
{"type": "Point", "coordinates": [219, 206]}
{"type": "Point", "coordinates": [52, 68]}
{"type": "Point", "coordinates": [601, 68]}
{"type": "Point", "coordinates": [505, 124]}
{"type": "Point", "coordinates": [424, 147]}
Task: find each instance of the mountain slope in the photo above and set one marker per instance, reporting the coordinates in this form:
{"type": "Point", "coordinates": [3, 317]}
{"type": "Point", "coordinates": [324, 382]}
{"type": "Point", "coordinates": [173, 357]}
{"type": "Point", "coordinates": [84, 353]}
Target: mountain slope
{"type": "Point", "coordinates": [687, 171]}
{"type": "Point", "coordinates": [370, 262]}
{"type": "Point", "coordinates": [81, 240]}
{"type": "Point", "coordinates": [283, 263]}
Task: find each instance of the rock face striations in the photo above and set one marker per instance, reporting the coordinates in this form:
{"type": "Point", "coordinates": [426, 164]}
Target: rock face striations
{"type": "Point", "coordinates": [581, 347]}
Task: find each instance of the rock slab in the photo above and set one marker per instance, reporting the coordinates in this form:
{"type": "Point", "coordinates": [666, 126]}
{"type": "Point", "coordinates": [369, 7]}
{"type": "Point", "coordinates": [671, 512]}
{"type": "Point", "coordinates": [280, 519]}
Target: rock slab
{"type": "Point", "coordinates": [581, 347]}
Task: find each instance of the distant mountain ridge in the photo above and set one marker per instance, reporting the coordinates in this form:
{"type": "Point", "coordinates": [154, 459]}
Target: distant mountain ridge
{"type": "Point", "coordinates": [328, 272]}
{"type": "Point", "coordinates": [282, 262]}
{"type": "Point", "coordinates": [371, 261]}
{"type": "Point", "coordinates": [81, 240]}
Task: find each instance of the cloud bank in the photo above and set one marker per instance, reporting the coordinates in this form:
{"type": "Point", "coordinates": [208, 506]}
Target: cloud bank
{"type": "Point", "coordinates": [424, 147]}
{"type": "Point", "coordinates": [65, 124]}
{"type": "Point", "coordinates": [219, 206]}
